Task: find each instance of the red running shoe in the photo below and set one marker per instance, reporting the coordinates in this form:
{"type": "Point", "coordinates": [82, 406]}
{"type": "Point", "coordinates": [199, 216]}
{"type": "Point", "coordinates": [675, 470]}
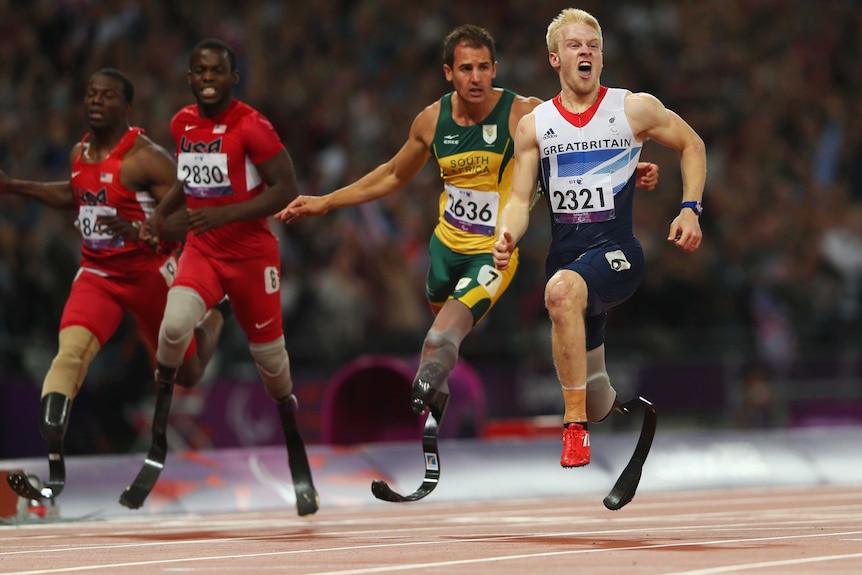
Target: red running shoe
{"type": "Point", "coordinates": [576, 446]}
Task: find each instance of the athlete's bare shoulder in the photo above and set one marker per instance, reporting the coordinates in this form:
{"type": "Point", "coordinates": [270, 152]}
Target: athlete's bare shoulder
{"type": "Point", "coordinates": [643, 106]}
{"type": "Point", "coordinates": [525, 104]}
{"type": "Point", "coordinates": [147, 148]}
{"type": "Point", "coordinates": [147, 163]}
{"type": "Point", "coordinates": [433, 108]}
{"type": "Point", "coordinates": [521, 106]}
{"type": "Point", "coordinates": [425, 125]}
{"type": "Point", "coordinates": [77, 149]}
{"type": "Point", "coordinates": [644, 112]}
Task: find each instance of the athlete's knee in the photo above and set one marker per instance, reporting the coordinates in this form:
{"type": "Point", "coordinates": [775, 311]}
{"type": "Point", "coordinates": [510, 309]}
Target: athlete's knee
{"type": "Point", "coordinates": [54, 418]}
{"type": "Point", "coordinates": [77, 348]}
{"type": "Point", "coordinates": [600, 393]}
{"type": "Point", "coordinates": [442, 341]}
{"type": "Point", "coordinates": [565, 291]}
{"type": "Point", "coordinates": [273, 365]}
{"type": "Point", "coordinates": [183, 311]}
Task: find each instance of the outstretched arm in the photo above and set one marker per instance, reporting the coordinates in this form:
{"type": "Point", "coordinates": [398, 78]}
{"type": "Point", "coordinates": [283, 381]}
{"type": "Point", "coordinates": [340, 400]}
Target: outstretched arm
{"type": "Point", "coordinates": [53, 194]}
{"type": "Point", "coordinates": [383, 180]}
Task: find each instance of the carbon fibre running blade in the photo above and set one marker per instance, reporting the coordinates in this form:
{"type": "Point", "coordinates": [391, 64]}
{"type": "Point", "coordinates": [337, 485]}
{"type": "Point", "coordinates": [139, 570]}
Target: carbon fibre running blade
{"type": "Point", "coordinates": [382, 491]}
{"type": "Point", "coordinates": [136, 493]}
{"type": "Point", "coordinates": [21, 485]}
{"type": "Point", "coordinates": [307, 498]}
{"type": "Point", "coordinates": [624, 490]}
{"type": "Point", "coordinates": [436, 411]}
{"type": "Point", "coordinates": [626, 486]}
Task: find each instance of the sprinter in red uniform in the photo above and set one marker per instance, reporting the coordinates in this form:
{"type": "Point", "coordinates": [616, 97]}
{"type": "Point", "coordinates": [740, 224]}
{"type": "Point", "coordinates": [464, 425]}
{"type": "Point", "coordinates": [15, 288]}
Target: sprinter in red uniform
{"type": "Point", "coordinates": [118, 178]}
{"type": "Point", "coordinates": [233, 173]}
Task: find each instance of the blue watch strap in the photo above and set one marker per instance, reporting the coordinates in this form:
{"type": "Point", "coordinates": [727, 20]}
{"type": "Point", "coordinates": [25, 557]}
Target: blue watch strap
{"type": "Point", "coordinates": [696, 207]}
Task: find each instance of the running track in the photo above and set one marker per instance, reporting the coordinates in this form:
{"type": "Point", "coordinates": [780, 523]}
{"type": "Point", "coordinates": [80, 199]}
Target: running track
{"type": "Point", "coordinates": [780, 502]}
{"type": "Point", "coordinates": [764, 531]}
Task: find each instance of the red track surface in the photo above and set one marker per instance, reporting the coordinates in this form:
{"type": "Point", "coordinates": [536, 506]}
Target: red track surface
{"type": "Point", "coordinates": [815, 530]}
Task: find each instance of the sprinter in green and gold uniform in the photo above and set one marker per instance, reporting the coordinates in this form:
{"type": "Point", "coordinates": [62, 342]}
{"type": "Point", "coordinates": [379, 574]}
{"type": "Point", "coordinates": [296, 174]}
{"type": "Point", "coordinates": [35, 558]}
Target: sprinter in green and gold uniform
{"type": "Point", "coordinates": [476, 166]}
{"type": "Point", "coordinates": [469, 132]}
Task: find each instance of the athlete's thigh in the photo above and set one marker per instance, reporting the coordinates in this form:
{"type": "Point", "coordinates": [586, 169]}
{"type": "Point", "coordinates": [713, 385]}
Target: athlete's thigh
{"type": "Point", "coordinates": [438, 282]}
{"type": "Point", "coordinates": [93, 304]}
{"type": "Point", "coordinates": [200, 273]}
{"type": "Point", "coordinates": [254, 289]}
{"type": "Point", "coordinates": [146, 296]}
{"type": "Point", "coordinates": [480, 284]}
{"type": "Point", "coordinates": [612, 274]}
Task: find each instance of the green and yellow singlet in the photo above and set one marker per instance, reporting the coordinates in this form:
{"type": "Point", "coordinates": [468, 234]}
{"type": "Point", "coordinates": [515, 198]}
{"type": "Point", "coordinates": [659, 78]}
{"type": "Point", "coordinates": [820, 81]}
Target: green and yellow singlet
{"type": "Point", "coordinates": [476, 166]}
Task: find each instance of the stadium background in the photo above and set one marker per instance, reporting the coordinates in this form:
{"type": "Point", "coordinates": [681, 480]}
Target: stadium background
{"type": "Point", "coordinates": [760, 328]}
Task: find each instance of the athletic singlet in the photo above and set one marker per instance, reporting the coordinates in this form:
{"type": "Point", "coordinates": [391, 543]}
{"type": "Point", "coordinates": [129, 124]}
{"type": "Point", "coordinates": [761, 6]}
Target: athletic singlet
{"type": "Point", "coordinates": [99, 192]}
{"type": "Point", "coordinates": [216, 159]}
{"type": "Point", "coordinates": [476, 166]}
{"type": "Point", "coordinates": [588, 171]}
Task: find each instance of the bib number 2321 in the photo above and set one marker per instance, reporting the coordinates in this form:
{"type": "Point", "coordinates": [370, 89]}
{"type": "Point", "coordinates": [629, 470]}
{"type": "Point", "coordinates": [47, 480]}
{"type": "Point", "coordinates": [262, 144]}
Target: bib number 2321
{"type": "Point", "coordinates": [582, 199]}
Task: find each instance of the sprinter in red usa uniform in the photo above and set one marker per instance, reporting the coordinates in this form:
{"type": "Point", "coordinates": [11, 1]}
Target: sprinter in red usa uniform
{"type": "Point", "coordinates": [233, 172]}
{"type": "Point", "coordinates": [118, 177]}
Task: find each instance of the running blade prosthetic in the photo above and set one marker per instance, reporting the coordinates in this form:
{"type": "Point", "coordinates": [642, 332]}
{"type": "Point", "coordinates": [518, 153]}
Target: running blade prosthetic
{"type": "Point", "coordinates": [626, 486]}
{"type": "Point", "coordinates": [30, 486]}
{"type": "Point", "coordinates": [436, 410]}
{"type": "Point", "coordinates": [136, 493]}
{"type": "Point", "coordinates": [307, 499]}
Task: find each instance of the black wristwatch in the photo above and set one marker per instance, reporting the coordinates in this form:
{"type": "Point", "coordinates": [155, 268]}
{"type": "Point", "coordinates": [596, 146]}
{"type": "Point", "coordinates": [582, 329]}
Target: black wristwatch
{"type": "Point", "coordinates": [696, 207]}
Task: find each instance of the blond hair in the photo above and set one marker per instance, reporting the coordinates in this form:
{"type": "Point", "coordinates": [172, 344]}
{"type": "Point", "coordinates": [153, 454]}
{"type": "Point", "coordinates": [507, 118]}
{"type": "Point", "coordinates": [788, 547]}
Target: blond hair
{"type": "Point", "coordinates": [565, 18]}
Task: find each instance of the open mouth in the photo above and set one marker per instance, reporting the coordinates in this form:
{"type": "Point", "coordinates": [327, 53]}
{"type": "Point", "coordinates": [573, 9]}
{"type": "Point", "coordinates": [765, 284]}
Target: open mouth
{"type": "Point", "coordinates": [585, 68]}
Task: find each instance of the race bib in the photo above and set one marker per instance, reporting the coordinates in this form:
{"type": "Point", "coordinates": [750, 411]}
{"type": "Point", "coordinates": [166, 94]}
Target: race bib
{"type": "Point", "coordinates": [205, 175]}
{"type": "Point", "coordinates": [582, 199]}
{"type": "Point", "coordinates": [472, 211]}
{"type": "Point", "coordinates": [95, 237]}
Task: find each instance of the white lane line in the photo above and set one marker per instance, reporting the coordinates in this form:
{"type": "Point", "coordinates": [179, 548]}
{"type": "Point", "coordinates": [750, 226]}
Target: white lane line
{"type": "Point", "coordinates": [39, 545]}
{"type": "Point", "coordinates": [211, 558]}
{"type": "Point", "coordinates": [764, 564]}
{"type": "Point", "coordinates": [389, 533]}
{"type": "Point", "coordinates": [437, 564]}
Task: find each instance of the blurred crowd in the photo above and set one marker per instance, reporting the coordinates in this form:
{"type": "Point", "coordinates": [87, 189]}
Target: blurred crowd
{"type": "Point", "coordinates": [772, 86]}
